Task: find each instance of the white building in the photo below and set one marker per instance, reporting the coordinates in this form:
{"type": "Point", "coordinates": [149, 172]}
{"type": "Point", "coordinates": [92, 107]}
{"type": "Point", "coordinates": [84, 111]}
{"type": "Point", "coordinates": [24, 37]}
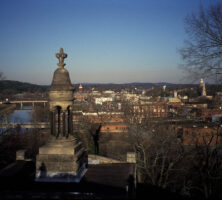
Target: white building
{"type": "Point", "coordinates": [100, 100]}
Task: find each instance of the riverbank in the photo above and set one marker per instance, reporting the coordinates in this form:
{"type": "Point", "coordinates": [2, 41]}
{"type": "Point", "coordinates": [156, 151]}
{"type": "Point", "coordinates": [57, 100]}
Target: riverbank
{"type": "Point", "coordinates": [6, 109]}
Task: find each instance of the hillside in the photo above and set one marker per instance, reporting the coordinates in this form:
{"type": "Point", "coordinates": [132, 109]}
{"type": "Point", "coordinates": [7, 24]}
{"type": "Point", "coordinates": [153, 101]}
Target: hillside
{"type": "Point", "coordinates": [13, 87]}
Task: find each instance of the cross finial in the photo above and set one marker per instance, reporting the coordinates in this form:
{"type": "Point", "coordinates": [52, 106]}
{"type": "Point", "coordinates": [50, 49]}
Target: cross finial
{"type": "Point", "coordinates": [61, 56]}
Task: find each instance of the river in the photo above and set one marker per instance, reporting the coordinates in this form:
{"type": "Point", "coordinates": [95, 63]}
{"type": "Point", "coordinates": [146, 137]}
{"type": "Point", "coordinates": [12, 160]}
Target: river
{"type": "Point", "coordinates": [21, 116]}
{"type": "Point", "coordinates": [18, 116]}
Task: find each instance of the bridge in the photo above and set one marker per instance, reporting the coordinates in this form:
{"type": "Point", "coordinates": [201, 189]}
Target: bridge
{"type": "Point", "coordinates": [41, 125]}
{"type": "Point", "coordinates": [21, 102]}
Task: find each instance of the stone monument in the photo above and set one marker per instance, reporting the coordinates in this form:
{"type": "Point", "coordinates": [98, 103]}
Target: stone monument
{"type": "Point", "coordinates": [62, 159]}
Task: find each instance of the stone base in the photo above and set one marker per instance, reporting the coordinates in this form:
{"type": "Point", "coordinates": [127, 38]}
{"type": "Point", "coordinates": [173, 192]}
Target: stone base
{"type": "Point", "coordinates": [61, 177]}
{"type": "Point", "coordinates": [61, 160]}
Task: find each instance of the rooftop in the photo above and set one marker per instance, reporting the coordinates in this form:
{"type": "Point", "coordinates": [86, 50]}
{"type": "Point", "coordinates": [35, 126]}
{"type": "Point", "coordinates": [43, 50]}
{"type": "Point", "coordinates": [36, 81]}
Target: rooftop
{"type": "Point", "coordinates": [100, 181]}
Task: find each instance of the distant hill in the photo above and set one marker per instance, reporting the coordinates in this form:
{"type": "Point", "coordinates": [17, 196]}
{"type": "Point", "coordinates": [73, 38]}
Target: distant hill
{"type": "Point", "coordinates": [136, 84]}
{"type": "Point", "coordinates": [7, 86]}
{"type": "Point", "coordinates": [130, 86]}
{"type": "Point", "coordinates": [14, 87]}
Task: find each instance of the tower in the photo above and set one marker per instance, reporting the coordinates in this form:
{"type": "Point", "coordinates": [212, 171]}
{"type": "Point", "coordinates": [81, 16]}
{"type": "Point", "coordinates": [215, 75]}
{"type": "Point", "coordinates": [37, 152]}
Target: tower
{"type": "Point", "coordinates": [202, 87]}
{"type": "Point", "coordinates": [175, 94]}
{"type": "Point", "coordinates": [80, 88]}
{"type": "Point", "coordinates": [62, 159]}
{"type": "Point", "coordinates": [164, 88]}
{"type": "Point", "coordinates": [201, 83]}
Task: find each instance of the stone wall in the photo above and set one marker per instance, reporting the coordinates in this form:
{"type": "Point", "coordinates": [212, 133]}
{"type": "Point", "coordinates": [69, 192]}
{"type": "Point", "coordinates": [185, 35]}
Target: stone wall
{"type": "Point", "coordinates": [95, 159]}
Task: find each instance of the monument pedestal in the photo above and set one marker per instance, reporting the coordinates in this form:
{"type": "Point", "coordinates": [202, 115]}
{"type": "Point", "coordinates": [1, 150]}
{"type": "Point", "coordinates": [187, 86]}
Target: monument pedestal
{"type": "Point", "coordinates": [61, 160]}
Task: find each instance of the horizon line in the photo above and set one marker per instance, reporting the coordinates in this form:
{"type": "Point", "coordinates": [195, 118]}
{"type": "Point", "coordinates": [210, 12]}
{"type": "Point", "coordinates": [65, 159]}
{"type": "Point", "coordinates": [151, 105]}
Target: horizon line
{"type": "Point", "coordinates": [114, 83]}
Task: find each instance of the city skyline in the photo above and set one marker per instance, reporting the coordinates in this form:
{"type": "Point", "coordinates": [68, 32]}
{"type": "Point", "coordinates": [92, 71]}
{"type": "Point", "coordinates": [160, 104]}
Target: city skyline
{"type": "Point", "coordinates": [106, 41]}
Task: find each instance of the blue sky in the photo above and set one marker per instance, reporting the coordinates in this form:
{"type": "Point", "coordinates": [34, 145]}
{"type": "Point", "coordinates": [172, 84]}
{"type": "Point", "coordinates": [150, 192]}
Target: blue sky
{"type": "Point", "coordinates": [116, 41]}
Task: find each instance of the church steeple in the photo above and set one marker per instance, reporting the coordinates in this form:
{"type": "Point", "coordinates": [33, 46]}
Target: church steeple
{"type": "Point", "coordinates": [202, 87]}
{"type": "Point", "coordinates": [80, 88]}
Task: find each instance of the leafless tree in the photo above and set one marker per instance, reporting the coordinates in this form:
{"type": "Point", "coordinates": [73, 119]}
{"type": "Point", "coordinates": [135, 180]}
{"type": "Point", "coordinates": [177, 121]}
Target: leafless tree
{"type": "Point", "coordinates": [90, 134]}
{"type": "Point", "coordinates": [40, 114]}
{"type": "Point", "coordinates": [158, 151]}
{"type": "Point", "coordinates": [202, 53]}
{"type": "Point", "coordinates": [158, 158]}
{"type": "Point", "coordinates": [204, 176]}
{"type": "Point", "coordinates": [163, 160]}
{"type": "Point", "coordinates": [90, 129]}
{"type": "Point", "coordinates": [29, 140]}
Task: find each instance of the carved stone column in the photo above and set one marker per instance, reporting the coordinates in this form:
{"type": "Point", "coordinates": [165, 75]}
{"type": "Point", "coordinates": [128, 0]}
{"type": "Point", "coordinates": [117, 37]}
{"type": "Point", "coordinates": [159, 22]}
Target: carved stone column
{"type": "Point", "coordinates": [70, 129]}
{"type": "Point", "coordinates": [59, 126]}
{"type": "Point", "coordinates": [71, 121]}
{"type": "Point", "coordinates": [51, 122]}
{"type": "Point", "coordinates": [52, 116]}
{"type": "Point", "coordinates": [64, 119]}
{"type": "Point", "coordinates": [54, 123]}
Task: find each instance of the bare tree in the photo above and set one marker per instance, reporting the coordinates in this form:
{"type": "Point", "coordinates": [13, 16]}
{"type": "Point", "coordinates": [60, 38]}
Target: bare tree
{"type": "Point", "coordinates": [204, 176]}
{"type": "Point", "coordinates": [158, 159]}
{"type": "Point", "coordinates": [164, 161]}
{"type": "Point", "coordinates": [202, 54]}
{"type": "Point", "coordinates": [90, 127]}
{"type": "Point", "coordinates": [158, 151]}
{"type": "Point", "coordinates": [90, 134]}
{"type": "Point", "coordinates": [40, 114]}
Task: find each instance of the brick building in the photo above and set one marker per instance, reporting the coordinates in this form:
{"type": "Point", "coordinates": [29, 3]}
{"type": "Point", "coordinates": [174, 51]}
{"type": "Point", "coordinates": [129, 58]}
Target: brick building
{"type": "Point", "coordinates": [153, 109]}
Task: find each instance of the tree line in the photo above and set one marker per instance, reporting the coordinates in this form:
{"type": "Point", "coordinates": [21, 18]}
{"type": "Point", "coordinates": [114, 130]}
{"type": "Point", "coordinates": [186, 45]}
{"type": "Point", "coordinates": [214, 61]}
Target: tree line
{"type": "Point", "coordinates": [14, 87]}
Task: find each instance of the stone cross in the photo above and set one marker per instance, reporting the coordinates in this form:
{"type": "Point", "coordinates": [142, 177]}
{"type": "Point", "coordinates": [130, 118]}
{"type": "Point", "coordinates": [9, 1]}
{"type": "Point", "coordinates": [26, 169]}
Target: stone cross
{"type": "Point", "coordinates": [61, 56]}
